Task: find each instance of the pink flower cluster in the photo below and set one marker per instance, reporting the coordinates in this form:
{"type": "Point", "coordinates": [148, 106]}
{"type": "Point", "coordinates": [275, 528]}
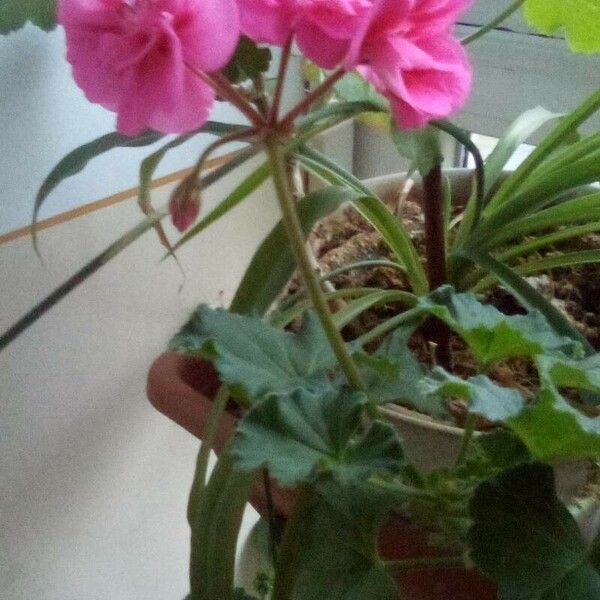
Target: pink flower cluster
{"type": "Point", "coordinates": [132, 56]}
{"type": "Point", "coordinates": [405, 48]}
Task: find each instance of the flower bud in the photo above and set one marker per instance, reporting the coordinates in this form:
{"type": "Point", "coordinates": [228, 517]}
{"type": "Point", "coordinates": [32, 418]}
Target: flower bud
{"type": "Point", "coordinates": [184, 205]}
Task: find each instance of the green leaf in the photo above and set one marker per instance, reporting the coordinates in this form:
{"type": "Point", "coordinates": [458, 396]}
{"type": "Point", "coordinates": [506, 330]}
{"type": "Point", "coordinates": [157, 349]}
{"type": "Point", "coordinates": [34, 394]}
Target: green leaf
{"type": "Point", "coordinates": [517, 133]}
{"type": "Point", "coordinates": [525, 539]}
{"type": "Point", "coordinates": [248, 62]}
{"type": "Point", "coordinates": [580, 19]}
{"type": "Point", "coordinates": [533, 300]}
{"type": "Point", "coordinates": [255, 358]}
{"type": "Point", "coordinates": [147, 169]}
{"type": "Point", "coordinates": [77, 160]}
{"type": "Point", "coordinates": [491, 335]}
{"type": "Point", "coordinates": [303, 435]}
{"type": "Point", "coordinates": [565, 372]}
{"type": "Point", "coordinates": [15, 13]}
{"type": "Point", "coordinates": [485, 398]}
{"type": "Point", "coordinates": [420, 146]}
{"type": "Point", "coordinates": [273, 263]}
{"type": "Point", "coordinates": [564, 129]}
{"type": "Point", "coordinates": [374, 210]}
{"type": "Point", "coordinates": [392, 374]}
{"type": "Point", "coordinates": [215, 528]}
{"type": "Point", "coordinates": [553, 429]}
{"type": "Point", "coordinates": [338, 558]}
{"type": "Point", "coordinates": [503, 449]}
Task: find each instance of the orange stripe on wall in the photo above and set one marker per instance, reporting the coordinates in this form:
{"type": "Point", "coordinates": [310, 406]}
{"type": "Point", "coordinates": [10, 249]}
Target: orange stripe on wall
{"type": "Point", "coordinates": [80, 211]}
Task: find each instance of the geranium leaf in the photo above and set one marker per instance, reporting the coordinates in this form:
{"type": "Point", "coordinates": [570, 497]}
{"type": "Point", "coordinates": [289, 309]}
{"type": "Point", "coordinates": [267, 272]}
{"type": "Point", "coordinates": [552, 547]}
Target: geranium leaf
{"type": "Point", "coordinates": [248, 61]}
{"type": "Point", "coordinates": [485, 398]}
{"type": "Point", "coordinates": [253, 357]}
{"type": "Point", "coordinates": [304, 435]}
{"type": "Point", "coordinates": [491, 335]}
{"type": "Point", "coordinates": [339, 555]}
{"type": "Point", "coordinates": [15, 13]}
{"type": "Point", "coordinates": [551, 428]}
{"type": "Point", "coordinates": [525, 539]}
{"type": "Point", "coordinates": [580, 19]}
{"type": "Point", "coordinates": [392, 374]}
{"type": "Point", "coordinates": [565, 372]}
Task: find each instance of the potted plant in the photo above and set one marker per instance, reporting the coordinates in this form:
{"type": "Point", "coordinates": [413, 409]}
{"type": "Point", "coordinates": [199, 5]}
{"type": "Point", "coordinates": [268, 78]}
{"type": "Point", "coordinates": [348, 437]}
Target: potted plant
{"type": "Point", "coordinates": [276, 383]}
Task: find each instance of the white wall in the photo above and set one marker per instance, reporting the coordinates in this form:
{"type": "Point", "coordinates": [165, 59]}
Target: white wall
{"type": "Point", "coordinates": [44, 115]}
{"type": "Point", "coordinates": [93, 481]}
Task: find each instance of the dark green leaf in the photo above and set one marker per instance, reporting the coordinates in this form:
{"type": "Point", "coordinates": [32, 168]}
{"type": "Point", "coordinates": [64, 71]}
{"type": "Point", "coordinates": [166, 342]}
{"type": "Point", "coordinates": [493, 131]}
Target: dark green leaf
{"type": "Point", "coordinates": [255, 358]}
{"type": "Point", "coordinates": [248, 61]}
{"type": "Point", "coordinates": [485, 398]}
{"type": "Point", "coordinates": [525, 539]}
{"type": "Point", "coordinates": [552, 429]}
{"type": "Point", "coordinates": [503, 449]}
{"type": "Point", "coordinates": [492, 335]}
{"type": "Point", "coordinates": [273, 263]}
{"type": "Point", "coordinates": [420, 146]}
{"type": "Point", "coordinates": [77, 160]}
{"type": "Point", "coordinates": [15, 13]}
{"type": "Point", "coordinates": [338, 558]}
{"type": "Point", "coordinates": [303, 435]}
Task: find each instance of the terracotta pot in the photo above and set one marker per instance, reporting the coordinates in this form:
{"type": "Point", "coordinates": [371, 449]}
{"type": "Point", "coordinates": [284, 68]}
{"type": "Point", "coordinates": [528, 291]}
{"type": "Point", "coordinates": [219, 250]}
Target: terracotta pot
{"type": "Point", "coordinates": [182, 388]}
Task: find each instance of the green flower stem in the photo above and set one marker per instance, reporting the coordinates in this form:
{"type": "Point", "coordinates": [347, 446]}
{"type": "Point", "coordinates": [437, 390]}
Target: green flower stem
{"type": "Point", "coordinates": [427, 562]}
{"type": "Point", "coordinates": [514, 7]}
{"type": "Point", "coordinates": [311, 279]}
{"type": "Point", "coordinates": [286, 568]}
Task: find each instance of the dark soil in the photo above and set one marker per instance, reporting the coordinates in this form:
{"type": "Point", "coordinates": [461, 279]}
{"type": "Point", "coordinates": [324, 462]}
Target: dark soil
{"type": "Point", "coordinates": [346, 237]}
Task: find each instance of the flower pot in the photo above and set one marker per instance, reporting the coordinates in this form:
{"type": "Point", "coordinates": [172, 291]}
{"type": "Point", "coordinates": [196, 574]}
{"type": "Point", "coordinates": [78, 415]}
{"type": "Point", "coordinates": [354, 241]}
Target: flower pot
{"type": "Point", "coordinates": [182, 388]}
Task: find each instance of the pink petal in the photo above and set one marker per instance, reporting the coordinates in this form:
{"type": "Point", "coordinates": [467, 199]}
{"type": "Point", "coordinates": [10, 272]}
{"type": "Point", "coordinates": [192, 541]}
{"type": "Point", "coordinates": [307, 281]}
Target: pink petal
{"type": "Point", "coordinates": [267, 21]}
{"type": "Point", "coordinates": [323, 50]}
{"type": "Point", "coordinates": [209, 32]}
{"type": "Point", "coordinates": [131, 57]}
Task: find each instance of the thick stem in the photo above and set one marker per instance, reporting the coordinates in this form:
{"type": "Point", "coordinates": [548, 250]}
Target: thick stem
{"type": "Point", "coordinates": [311, 279]}
{"type": "Point", "coordinates": [435, 249]}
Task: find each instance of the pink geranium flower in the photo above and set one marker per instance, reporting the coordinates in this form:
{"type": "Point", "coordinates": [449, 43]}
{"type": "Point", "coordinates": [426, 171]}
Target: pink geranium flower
{"type": "Point", "coordinates": [130, 56]}
{"type": "Point", "coordinates": [405, 48]}
{"type": "Point", "coordinates": [323, 28]}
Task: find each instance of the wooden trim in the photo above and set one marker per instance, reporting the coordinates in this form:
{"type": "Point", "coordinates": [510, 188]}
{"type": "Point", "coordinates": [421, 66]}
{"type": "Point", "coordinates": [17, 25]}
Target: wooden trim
{"type": "Point", "coordinates": [85, 209]}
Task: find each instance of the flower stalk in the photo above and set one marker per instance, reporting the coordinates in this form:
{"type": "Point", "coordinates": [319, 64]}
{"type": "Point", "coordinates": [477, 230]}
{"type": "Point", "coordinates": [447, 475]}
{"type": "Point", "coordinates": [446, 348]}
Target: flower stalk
{"type": "Point", "coordinates": [311, 280]}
